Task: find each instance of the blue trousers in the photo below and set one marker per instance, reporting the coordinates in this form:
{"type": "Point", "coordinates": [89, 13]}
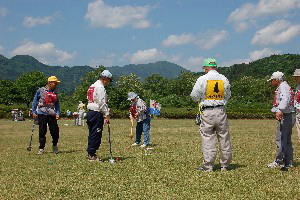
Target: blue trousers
{"type": "Point", "coordinates": [95, 123]}
{"type": "Point", "coordinates": [143, 126]}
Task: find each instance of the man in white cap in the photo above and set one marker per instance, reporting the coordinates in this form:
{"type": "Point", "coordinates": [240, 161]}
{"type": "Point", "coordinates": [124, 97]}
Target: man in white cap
{"type": "Point", "coordinates": [297, 100]}
{"type": "Point", "coordinates": [140, 112]}
{"type": "Point", "coordinates": [46, 108]}
{"type": "Point", "coordinates": [283, 107]}
{"type": "Point", "coordinates": [98, 113]}
{"type": "Point", "coordinates": [212, 91]}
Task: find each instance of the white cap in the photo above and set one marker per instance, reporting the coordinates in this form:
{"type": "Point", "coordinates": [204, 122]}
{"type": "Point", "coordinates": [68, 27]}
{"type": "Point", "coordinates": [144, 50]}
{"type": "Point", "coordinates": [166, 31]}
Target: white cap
{"type": "Point", "coordinates": [277, 75]}
{"type": "Point", "coordinates": [131, 95]}
{"type": "Point", "coordinates": [297, 72]}
{"type": "Point", "coordinates": [106, 74]}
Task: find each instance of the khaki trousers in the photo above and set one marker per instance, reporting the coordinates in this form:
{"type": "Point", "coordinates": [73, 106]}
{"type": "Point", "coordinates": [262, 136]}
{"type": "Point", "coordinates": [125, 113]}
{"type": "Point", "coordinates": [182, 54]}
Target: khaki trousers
{"type": "Point", "coordinates": [214, 126]}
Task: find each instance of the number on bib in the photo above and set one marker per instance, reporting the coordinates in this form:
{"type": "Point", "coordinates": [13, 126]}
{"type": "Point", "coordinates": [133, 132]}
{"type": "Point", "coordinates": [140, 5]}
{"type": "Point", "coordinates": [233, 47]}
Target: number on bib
{"type": "Point", "coordinates": [90, 94]}
{"type": "Point", "coordinates": [214, 90]}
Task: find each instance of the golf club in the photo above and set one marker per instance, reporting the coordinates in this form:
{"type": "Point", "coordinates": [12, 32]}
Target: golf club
{"type": "Point", "coordinates": [30, 141]}
{"type": "Point", "coordinates": [111, 160]}
{"type": "Point", "coordinates": [35, 122]}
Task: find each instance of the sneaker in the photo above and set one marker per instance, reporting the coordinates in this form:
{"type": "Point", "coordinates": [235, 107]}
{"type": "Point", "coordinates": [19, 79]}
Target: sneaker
{"type": "Point", "coordinates": [204, 169]}
{"type": "Point", "coordinates": [40, 152]}
{"type": "Point", "coordinates": [93, 158]}
{"type": "Point", "coordinates": [55, 149]}
{"type": "Point", "coordinates": [224, 169]}
{"type": "Point", "coordinates": [144, 145]}
{"type": "Point", "coordinates": [274, 165]}
{"type": "Point", "coordinates": [135, 144]}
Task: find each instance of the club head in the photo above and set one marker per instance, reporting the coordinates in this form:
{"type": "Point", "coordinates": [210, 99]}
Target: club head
{"type": "Point", "coordinates": [112, 161]}
{"type": "Point", "coordinates": [29, 148]}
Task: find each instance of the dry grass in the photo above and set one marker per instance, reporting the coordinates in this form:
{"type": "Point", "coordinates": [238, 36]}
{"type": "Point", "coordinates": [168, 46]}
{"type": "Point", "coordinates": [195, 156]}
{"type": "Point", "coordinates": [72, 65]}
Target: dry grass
{"type": "Point", "coordinates": [169, 173]}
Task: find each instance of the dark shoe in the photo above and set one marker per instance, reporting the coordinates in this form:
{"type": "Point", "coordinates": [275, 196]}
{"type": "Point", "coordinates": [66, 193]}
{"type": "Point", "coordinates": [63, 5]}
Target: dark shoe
{"type": "Point", "coordinates": [204, 169]}
{"type": "Point", "coordinates": [55, 149]}
{"type": "Point", "coordinates": [284, 169]}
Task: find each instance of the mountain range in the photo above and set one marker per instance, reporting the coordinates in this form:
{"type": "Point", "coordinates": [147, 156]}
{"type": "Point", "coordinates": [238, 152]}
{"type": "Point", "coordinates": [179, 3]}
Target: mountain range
{"type": "Point", "coordinates": [71, 76]}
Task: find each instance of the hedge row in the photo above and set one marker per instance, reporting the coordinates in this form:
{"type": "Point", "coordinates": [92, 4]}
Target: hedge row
{"type": "Point", "coordinates": [171, 113]}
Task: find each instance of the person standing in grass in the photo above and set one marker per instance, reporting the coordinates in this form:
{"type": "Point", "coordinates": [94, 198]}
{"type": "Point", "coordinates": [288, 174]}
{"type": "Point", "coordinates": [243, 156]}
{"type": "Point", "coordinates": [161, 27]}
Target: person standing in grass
{"type": "Point", "coordinates": [283, 107]}
{"type": "Point", "coordinates": [212, 91]}
{"type": "Point", "coordinates": [46, 108]}
{"type": "Point", "coordinates": [98, 113]}
{"type": "Point", "coordinates": [140, 112]}
{"type": "Point", "coordinates": [297, 100]}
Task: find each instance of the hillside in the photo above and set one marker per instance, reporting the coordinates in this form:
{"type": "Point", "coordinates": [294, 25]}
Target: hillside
{"type": "Point", "coordinates": [71, 76]}
{"type": "Point", "coordinates": [164, 68]}
{"type": "Point", "coordinates": [286, 63]}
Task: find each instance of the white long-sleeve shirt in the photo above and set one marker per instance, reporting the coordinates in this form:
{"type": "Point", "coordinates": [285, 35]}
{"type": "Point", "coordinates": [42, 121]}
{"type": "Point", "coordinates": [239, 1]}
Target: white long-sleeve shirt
{"type": "Point", "coordinates": [283, 99]}
{"type": "Point", "coordinates": [211, 89]}
{"type": "Point", "coordinates": [97, 98]}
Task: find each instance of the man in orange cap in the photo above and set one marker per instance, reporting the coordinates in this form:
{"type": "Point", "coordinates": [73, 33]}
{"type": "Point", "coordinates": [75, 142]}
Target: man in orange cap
{"type": "Point", "coordinates": [46, 108]}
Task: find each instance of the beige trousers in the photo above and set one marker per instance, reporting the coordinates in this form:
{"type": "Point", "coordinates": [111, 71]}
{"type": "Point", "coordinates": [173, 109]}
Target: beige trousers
{"type": "Point", "coordinates": [214, 126]}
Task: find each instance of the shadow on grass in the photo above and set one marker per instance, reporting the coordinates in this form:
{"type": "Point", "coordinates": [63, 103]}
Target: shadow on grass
{"type": "Point", "coordinates": [117, 158]}
{"type": "Point", "coordinates": [296, 164]}
{"type": "Point", "coordinates": [231, 166]}
{"type": "Point", "coordinates": [69, 151]}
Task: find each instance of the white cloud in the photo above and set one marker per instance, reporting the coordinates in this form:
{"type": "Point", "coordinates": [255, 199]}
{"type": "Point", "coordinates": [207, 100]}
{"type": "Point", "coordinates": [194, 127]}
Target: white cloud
{"type": "Point", "coordinates": [3, 12]}
{"type": "Point", "coordinates": [241, 26]}
{"type": "Point", "coordinates": [212, 39]}
{"type": "Point", "coordinates": [243, 17]}
{"type": "Point", "coordinates": [148, 55]}
{"type": "Point", "coordinates": [278, 32]}
{"type": "Point", "coordinates": [263, 8]}
{"type": "Point", "coordinates": [258, 54]}
{"type": "Point", "coordinates": [30, 22]}
{"type": "Point", "coordinates": [100, 14]}
{"type": "Point", "coordinates": [253, 55]}
{"type": "Point", "coordinates": [44, 52]}
{"type": "Point", "coordinates": [205, 41]}
{"type": "Point", "coordinates": [177, 40]}
{"type": "Point", "coordinates": [194, 64]}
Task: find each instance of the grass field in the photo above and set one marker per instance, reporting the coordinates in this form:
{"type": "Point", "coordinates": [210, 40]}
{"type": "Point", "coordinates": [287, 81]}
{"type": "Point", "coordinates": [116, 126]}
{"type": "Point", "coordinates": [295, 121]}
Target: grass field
{"type": "Point", "coordinates": [168, 173]}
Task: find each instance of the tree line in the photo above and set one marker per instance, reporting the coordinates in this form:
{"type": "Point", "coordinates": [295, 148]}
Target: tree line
{"type": "Point", "coordinates": [251, 93]}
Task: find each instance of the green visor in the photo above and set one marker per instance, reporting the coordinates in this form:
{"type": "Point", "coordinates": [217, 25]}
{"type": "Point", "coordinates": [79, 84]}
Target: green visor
{"type": "Point", "coordinates": [210, 62]}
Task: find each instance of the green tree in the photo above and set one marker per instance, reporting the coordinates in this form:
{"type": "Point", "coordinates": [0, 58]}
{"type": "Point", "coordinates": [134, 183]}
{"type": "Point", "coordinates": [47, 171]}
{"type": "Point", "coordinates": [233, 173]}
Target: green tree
{"type": "Point", "coordinates": [88, 79]}
{"type": "Point", "coordinates": [8, 92]}
{"type": "Point", "coordinates": [118, 92]}
{"type": "Point", "coordinates": [156, 86]}
{"type": "Point", "coordinates": [27, 84]}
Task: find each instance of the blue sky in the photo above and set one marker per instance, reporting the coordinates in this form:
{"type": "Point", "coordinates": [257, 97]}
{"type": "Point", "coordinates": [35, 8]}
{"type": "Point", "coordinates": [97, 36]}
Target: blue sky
{"type": "Point", "coordinates": [120, 32]}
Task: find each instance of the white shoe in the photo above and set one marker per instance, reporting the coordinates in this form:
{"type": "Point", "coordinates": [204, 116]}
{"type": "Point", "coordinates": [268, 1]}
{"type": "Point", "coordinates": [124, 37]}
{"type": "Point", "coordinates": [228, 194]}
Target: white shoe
{"type": "Point", "coordinates": [274, 164]}
{"type": "Point", "coordinates": [55, 149]}
{"type": "Point", "coordinates": [144, 145]}
{"type": "Point", "coordinates": [40, 152]}
{"type": "Point", "coordinates": [135, 144]}
{"type": "Point", "coordinates": [224, 169]}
